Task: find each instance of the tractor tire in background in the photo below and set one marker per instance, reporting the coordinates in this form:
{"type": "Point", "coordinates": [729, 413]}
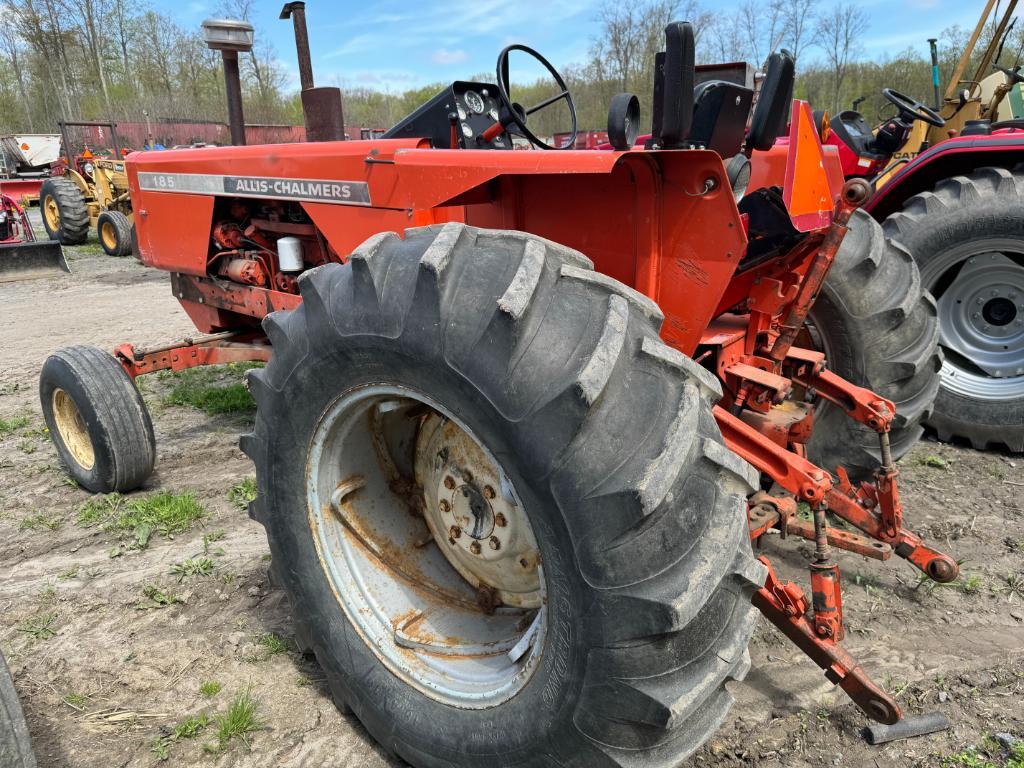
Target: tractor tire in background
{"type": "Point", "coordinates": [65, 214]}
{"type": "Point", "coordinates": [97, 420]}
{"type": "Point", "coordinates": [967, 235]}
{"type": "Point", "coordinates": [115, 233]}
{"type": "Point", "coordinates": [15, 746]}
{"type": "Point", "coordinates": [879, 330]}
{"type": "Point", "coordinates": [464, 418]}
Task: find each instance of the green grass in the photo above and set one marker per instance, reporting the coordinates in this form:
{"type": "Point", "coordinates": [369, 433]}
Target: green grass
{"type": "Point", "coordinates": [211, 389]}
{"type": "Point", "coordinates": [38, 521]}
{"type": "Point", "coordinates": [237, 723]}
{"type": "Point", "coordinates": [7, 426]}
{"type": "Point", "coordinates": [972, 757]}
{"type": "Point", "coordinates": [158, 598]}
{"type": "Point", "coordinates": [188, 728]}
{"type": "Point", "coordinates": [209, 688]}
{"type": "Point", "coordinates": [77, 700]}
{"type": "Point", "coordinates": [243, 492]}
{"type": "Point", "coordinates": [165, 513]}
{"type": "Point", "coordinates": [40, 627]}
{"type": "Point", "coordinates": [274, 643]}
{"type": "Point", "coordinates": [933, 461]}
{"type": "Point", "coordinates": [201, 566]}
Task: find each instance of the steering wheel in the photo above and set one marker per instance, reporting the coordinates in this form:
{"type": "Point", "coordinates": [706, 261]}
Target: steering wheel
{"type": "Point", "coordinates": [913, 110]}
{"type": "Point", "coordinates": [515, 114]}
{"type": "Point", "coordinates": [1014, 76]}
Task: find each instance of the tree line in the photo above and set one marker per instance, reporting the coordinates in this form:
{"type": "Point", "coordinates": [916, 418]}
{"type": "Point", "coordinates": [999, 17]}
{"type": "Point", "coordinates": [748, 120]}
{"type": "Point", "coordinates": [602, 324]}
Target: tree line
{"type": "Point", "coordinates": [123, 60]}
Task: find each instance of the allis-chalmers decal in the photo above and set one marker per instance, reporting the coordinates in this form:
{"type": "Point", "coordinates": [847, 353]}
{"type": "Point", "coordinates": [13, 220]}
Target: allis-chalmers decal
{"type": "Point", "coordinates": [312, 190]}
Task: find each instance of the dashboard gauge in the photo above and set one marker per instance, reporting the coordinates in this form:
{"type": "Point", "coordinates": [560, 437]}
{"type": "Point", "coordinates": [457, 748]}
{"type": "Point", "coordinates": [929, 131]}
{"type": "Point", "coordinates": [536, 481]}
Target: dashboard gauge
{"type": "Point", "coordinates": [493, 114]}
{"type": "Point", "coordinates": [475, 102]}
{"type": "Point", "coordinates": [462, 114]}
{"type": "Point", "coordinates": [467, 131]}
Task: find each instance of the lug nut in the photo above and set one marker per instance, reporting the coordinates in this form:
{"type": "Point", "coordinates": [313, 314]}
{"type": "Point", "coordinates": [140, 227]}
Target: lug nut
{"type": "Point", "coordinates": [455, 532]}
{"type": "Point", "coordinates": [475, 547]}
{"type": "Point", "coordinates": [488, 492]}
{"type": "Point", "coordinates": [524, 562]}
{"type": "Point", "coordinates": [495, 543]}
{"type": "Point", "coordinates": [449, 482]}
{"type": "Point", "coordinates": [445, 506]}
{"type": "Point", "coordinates": [500, 521]}
{"type": "Point", "coordinates": [467, 476]}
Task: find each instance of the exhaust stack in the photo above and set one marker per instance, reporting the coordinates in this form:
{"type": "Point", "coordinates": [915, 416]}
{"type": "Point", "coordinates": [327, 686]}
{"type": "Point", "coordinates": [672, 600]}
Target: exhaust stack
{"type": "Point", "coordinates": [321, 107]}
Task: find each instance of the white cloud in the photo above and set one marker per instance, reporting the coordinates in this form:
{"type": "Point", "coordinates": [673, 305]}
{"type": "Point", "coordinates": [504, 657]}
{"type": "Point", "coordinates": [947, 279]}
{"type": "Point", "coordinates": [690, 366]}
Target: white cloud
{"type": "Point", "coordinates": [445, 57]}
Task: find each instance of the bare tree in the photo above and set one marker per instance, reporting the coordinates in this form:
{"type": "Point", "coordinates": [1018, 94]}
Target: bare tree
{"type": "Point", "coordinates": [763, 27]}
{"type": "Point", "coordinates": [798, 20]}
{"type": "Point", "coordinates": [12, 46]}
{"type": "Point", "coordinates": [839, 34]}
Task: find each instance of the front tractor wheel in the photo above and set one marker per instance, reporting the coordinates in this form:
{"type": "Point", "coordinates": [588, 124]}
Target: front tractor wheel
{"type": "Point", "coordinates": [97, 420]}
{"type": "Point", "coordinates": [115, 233]}
{"type": "Point", "coordinates": [65, 214]}
{"type": "Point", "coordinates": [501, 508]}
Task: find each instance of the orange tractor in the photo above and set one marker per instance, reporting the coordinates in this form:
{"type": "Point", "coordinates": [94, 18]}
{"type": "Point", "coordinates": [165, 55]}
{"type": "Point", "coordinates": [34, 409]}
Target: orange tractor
{"type": "Point", "coordinates": [524, 412]}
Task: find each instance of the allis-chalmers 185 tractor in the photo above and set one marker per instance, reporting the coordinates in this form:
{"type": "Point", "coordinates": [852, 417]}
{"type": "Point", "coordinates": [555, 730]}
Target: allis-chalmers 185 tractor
{"type": "Point", "coordinates": [511, 461]}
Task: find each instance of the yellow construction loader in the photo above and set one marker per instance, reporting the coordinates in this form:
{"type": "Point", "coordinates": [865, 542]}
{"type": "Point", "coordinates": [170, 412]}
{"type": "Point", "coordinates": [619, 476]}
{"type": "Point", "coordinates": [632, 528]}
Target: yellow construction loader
{"type": "Point", "coordinates": [92, 192]}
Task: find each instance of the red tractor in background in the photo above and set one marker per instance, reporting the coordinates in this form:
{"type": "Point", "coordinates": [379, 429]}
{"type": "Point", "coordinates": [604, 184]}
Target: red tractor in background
{"type": "Point", "coordinates": [511, 461]}
{"type": "Point", "coordinates": [949, 187]}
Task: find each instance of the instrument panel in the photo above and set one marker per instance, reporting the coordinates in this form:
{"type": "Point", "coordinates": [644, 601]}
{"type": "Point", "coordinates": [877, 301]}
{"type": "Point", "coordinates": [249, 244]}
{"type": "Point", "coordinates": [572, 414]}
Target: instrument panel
{"type": "Point", "coordinates": [477, 108]}
{"type": "Point", "coordinates": [470, 108]}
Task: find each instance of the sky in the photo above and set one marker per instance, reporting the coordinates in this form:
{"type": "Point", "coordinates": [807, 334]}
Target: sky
{"type": "Point", "coordinates": [396, 44]}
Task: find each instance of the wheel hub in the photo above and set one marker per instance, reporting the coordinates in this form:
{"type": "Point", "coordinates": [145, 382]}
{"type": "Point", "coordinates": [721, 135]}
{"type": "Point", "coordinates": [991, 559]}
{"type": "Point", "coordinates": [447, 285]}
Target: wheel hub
{"type": "Point", "coordinates": [427, 546]}
{"type": "Point", "coordinates": [475, 520]}
{"type": "Point", "coordinates": [72, 429]}
{"type": "Point", "coordinates": [981, 322]}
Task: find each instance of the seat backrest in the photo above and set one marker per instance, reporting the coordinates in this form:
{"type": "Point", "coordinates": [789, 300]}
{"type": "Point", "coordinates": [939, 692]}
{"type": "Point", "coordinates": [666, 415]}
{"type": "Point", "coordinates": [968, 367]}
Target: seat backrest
{"type": "Point", "coordinates": [720, 114]}
{"type": "Point", "coordinates": [673, 86]}
{"type": "Point", "coordinates": [773, 103]}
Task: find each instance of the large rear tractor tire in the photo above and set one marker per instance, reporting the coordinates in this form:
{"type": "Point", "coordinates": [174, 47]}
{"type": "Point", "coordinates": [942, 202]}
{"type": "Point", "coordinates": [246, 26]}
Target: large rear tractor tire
{"type": "Point", "coordinates": [879, 330]}
{"type": "Point", "coordinates": [97, 420]}
{"type": "Point", "coordinates": [967, 235]}
{"type": "Point", "coordinates": [65, 214]}
{"type": "Point", "coordinates": [15, 746]}
{"type": "Point", "coordinates": [500, 506]}
{"type": "Point", "coordinates": [115, 233]}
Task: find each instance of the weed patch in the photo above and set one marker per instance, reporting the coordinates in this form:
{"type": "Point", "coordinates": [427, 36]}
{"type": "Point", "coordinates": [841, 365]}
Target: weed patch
{"type": "Point", "coordinates": [243, 492]}
{"type": "Point", "coordinates": [237, 723]}
{"type": "Point", "coordinates": [157, 598]}
{"type": "Point", "coordinates": [13, 424]}
{"type": "Point", "coordinates": [200, 566]}
{"type": "Point", "coordinates": [40, 627]}
{"type": "Point", "coordinates": [211, 389]}
{"type": "Point", "coordinates": [138, 519]}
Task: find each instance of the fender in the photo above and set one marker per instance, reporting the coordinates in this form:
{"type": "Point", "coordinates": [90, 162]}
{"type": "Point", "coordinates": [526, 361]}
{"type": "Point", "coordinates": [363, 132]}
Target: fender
{"type": "Point", "coordinates": [952, 157]}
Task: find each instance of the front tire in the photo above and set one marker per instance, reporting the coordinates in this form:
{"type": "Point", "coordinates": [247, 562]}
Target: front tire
{"type": "Point", "coordinates": [602, 435]}
{"type": "Point", "coordinates": [115, 233]}
{"type": "Point", "coordinates": [97, 420]}
{"type": "Point", "coordinates": [65, 214]}
{"type": "Point", "coordinates": [879, 330]}
{"type": "Point", "coordinates": [967, 236]}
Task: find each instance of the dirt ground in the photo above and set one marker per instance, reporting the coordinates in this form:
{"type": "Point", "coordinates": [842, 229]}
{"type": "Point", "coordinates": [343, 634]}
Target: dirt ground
{"type": "Point", "coordinates": [103, 672]}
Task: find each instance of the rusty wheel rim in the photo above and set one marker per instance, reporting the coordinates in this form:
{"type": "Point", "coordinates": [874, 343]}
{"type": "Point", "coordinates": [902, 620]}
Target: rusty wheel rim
{"type": "Point", "coordinates": [108, 236]}
{"type": "Point", "coordinates": [388, 484]}
{"type": "Point", "coordinates": [72, 430]}
{"type": "Point", "coordinates": [52, 213]}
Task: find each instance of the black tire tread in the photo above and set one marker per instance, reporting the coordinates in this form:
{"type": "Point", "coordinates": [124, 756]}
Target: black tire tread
{"type": "Point", "coordinates": [694, 598]}
{"type": "Point", "coordinates": [123, 228]}
{"type": "Point", "coordinates": [74, 214]}
{"type": "Point", "coordinates": [882, 331]}
{"type": "Point", "coordinates": [988, 199]}
{"type": "Point", "coordinates": [15, 746]}
{"type": "Point", "coordinates": [125, 420]}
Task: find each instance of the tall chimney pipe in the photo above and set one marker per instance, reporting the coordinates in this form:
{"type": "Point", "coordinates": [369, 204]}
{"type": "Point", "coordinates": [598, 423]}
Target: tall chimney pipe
{"type": "Point", "coordinates": [321, 107]}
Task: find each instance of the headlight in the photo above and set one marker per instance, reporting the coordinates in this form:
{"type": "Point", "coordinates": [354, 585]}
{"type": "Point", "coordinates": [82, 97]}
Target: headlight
{"type": "Point", "coordinates": [738, 170]}
{"type": "Point", "coordinates": [88, 168]}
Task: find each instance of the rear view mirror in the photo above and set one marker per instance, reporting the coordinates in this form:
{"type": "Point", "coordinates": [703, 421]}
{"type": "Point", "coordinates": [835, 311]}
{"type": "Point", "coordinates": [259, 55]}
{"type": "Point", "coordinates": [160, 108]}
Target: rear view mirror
{"type": "Point", "coordinates": [773, 103]}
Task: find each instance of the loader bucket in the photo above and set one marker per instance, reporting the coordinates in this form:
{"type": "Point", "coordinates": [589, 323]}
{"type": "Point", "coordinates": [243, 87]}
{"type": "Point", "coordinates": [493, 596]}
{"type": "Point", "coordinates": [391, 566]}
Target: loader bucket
{"type": "Point", "coordinates": [26, 261]}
